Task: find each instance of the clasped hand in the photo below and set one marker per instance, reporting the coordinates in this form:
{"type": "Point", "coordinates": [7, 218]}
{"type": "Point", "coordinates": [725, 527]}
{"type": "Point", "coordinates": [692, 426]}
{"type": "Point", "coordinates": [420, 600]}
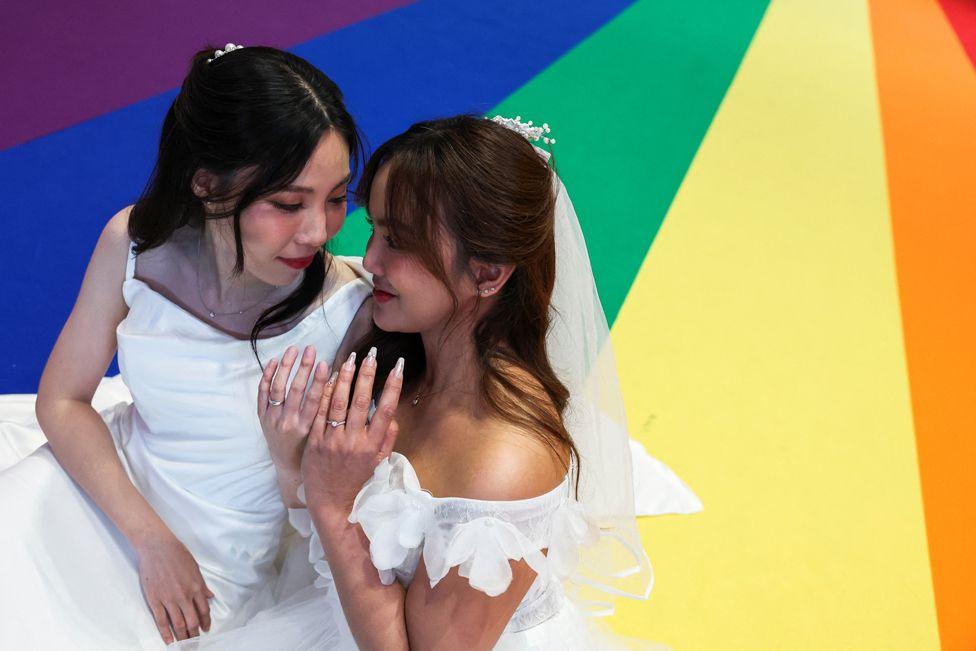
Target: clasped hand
{"type": "Point", "coordinates": [326, 425]}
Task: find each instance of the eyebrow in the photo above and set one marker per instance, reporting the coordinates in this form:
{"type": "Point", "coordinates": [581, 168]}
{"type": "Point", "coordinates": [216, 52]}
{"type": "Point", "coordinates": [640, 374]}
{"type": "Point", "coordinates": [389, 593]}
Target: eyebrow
{"type": "Point", "coordinates": [302, 188]}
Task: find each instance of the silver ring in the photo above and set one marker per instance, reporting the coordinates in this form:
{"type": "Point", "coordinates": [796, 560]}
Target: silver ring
{"type": "Point", "coordinates": [336, 423]}
{"type": "Point", "coordinates": [275, 403]}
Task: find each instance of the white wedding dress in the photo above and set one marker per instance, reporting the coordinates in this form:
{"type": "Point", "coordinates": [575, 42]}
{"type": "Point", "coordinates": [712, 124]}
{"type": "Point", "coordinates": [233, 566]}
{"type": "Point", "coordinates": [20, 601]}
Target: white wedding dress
{"type": "Point", "coordinates": [405, 524]}
{"type": "Point", "coordinates": [191, 442]}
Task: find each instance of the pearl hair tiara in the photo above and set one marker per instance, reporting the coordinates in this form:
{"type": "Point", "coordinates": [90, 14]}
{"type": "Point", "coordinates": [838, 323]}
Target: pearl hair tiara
{"type": "Point", "coordinates": [525, 129]}
{"type": "Point", "coordinates": [230, 47]}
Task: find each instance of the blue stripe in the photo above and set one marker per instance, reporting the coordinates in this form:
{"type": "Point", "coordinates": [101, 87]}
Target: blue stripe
{"type": "Point", "coordinates": [426, 60]}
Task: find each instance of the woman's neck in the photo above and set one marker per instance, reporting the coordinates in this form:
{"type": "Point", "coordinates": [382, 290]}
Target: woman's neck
{"type": "Point", "coordinates": [219, 247]}
{"type": "Point", "coordinates": [452, 361]}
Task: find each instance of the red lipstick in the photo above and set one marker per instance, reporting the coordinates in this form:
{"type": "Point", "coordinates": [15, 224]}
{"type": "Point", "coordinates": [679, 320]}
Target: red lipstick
{"type": "Point", "coordinates": [298, 263]}
{"type": "Point", "coordinates": [381, 296]}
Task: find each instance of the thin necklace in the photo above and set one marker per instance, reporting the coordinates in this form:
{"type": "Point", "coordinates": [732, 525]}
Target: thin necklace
{"type": "Point", "coordinates": [213, 314]}
{"type": "Point", "coordinates": [421, 394]}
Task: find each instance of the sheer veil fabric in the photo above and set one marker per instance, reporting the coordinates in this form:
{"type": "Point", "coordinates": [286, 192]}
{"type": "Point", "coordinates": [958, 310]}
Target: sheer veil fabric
{"type": "Point", "coordinates": [615, 564]}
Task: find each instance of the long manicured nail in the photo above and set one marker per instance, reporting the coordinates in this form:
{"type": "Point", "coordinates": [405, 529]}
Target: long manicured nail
{"type": "Point", "coordinates": [371, 357]}
{"type": "Point", "coordinates": [351, 362]}
{"type": "Point", "coordinates": [332, 378]}
{"type": "Point", "coordinates": [398, 369]}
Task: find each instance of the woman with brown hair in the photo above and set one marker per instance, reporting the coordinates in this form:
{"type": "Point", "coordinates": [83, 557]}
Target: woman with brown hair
{"type": "Point", "coordinates": [452, 518]}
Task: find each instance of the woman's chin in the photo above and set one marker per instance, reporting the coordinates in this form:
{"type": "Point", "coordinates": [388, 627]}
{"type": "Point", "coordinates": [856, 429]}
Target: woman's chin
{"type": "Point", "coordinates": [382, 321]}
{"type": "Point", "coordinates": [385, 320]}
{"type": "Point", "coordinates": [280, 277]}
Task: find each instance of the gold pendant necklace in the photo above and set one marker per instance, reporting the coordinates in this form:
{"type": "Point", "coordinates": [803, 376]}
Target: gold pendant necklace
{"type": "Point", "coordinates": [421, 394]}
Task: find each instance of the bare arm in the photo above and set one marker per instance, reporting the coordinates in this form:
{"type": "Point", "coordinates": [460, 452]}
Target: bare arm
{"type": "Point", "coordinates": [83, 445]}
{"type": "Point", "coordinates": [375, 612]}
{"type": "Point", "coordinates": [453, 615]}
{"type": "Point", "coordinates": [336, 462]}
{"type": "Point", "coordinates": [78, 436]}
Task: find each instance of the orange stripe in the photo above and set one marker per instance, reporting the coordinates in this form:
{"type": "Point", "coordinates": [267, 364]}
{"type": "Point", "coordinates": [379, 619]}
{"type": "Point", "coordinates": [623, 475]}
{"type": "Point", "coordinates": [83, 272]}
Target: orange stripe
{"type": "Point", "coordinates": [927, 91]}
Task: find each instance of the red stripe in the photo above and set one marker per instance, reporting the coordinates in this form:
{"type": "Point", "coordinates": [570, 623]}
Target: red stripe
{"type": "Point", "coordinates": [962, 17]}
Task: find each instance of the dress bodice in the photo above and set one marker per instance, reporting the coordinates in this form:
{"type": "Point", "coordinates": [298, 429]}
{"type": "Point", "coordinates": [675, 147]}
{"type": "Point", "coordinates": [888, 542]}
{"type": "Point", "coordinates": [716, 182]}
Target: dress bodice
{"type": "Point", "coordinates": [405, 523]}
{"type": "Point", "coordinates": [191, 440]}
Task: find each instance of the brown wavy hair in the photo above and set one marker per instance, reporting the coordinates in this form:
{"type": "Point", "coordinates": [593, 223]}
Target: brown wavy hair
{"type": "Point", "coordinates": [485, 187]}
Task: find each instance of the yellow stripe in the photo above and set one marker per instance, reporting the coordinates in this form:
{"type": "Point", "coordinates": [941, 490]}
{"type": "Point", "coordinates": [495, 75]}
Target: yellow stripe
{"type": "Point", "coordinates": [761, 354]}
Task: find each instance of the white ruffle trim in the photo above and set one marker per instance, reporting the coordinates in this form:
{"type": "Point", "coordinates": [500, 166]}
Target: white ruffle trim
{"type": "Point", "coordinates": [399, 517]}
{"type": "Point", "coordinates": [481, 550]}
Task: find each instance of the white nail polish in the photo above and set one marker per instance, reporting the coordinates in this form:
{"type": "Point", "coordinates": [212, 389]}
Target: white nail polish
{"type": "Point", "coordinates": [398, 369]}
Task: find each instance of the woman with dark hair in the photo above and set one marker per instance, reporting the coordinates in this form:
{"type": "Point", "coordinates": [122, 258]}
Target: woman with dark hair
{"type": "Point", "coordinates": [456, 516]}
{"type": "Point", "coordinates": [160, 517]}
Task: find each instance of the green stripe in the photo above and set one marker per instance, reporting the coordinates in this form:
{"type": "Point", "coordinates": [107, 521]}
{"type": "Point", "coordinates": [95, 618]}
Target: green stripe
{"type": "Point", "coordinates": [629, 107]}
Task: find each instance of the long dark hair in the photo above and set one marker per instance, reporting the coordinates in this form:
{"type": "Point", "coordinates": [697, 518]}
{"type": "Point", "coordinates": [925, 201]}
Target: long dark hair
{"type": "Point", "coordinates": [487, 188]}
{"type": "Point", "coordinates": [252, 118]}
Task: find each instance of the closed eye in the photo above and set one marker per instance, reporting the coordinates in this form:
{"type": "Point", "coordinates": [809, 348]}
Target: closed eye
{"type": "Point", "coordinates": [386, 238]}
{"type": "Point", "coordinates": [287, 207]}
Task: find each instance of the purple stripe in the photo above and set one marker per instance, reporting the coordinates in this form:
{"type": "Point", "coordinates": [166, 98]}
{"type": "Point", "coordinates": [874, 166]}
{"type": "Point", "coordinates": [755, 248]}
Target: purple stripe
{"type": "Point", "coordinates": [65, 62]}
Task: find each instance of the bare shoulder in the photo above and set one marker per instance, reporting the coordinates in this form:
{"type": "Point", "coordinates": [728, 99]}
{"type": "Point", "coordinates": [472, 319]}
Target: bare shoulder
{"type": "Point", "coordinates": [506, 463]}
{"type": "Point", "coordinates": [112, 250]}
{"type": "Point", "coordinates": [87, 342]}
{"type": "Point", "coordinates": [512, 462]}
{"type": "Point", "coordinates": [119, 223]}
{"type": "Point", "coordinates": [115, 234]}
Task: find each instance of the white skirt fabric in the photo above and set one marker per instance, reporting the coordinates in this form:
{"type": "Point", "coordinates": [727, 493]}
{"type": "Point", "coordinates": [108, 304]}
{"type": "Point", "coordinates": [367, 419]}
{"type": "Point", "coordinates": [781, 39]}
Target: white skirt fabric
{"type": "Point", "coordinates": [80, 587]}
{"type": "Point", "coordinates": [312, 620]}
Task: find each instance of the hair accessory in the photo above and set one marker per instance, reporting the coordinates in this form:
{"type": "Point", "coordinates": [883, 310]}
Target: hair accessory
{"type": "Point", "coordinates": [525, 129]}
{"type": "Point", "coordinates": [230, 47]}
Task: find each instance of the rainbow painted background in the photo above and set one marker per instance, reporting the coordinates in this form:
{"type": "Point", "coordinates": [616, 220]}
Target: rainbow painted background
{"type": "Point", "coordinates": [780, 202]}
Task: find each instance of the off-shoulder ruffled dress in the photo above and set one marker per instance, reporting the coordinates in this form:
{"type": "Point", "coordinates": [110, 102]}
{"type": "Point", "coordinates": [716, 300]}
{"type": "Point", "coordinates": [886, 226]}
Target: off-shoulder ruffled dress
{"type": "Point", "coordinates": [405, 524]}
